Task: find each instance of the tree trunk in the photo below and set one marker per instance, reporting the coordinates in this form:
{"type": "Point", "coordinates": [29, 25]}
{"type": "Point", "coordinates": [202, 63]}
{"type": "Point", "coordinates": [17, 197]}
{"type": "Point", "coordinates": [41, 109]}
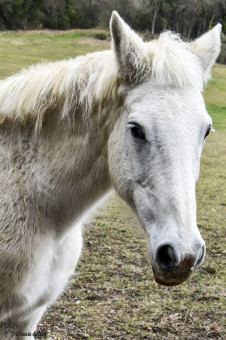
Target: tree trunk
{"type": "Point", "coordinates": [156, 9]}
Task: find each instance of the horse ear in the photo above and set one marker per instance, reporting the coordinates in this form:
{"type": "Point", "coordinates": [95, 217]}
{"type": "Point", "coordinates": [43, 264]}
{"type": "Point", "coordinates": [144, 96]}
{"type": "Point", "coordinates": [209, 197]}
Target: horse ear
{"type": "Point", "coordinates": [207, 48]}
{"type": "Point", "coordinates": [129, 50]}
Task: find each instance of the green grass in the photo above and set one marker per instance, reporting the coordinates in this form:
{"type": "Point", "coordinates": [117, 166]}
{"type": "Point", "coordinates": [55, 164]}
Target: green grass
{"type": "Point", "coordinates": [113, 295]}
{"type": "Point", "coordinates": [215, 97]}
{"type": "Point", "coordinates": [19, 49]}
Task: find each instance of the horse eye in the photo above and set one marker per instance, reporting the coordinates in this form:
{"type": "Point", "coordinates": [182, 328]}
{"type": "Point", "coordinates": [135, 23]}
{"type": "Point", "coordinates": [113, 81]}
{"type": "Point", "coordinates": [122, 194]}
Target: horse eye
{"type": "Point", "coordinates": [208, 131]}
{"type": "Point", "coordinates": [136, 131]}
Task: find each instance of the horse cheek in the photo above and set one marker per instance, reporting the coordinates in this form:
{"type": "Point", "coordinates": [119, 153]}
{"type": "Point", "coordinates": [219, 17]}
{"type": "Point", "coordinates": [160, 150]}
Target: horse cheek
{"type": "Point", "coordinates": [119, 166]}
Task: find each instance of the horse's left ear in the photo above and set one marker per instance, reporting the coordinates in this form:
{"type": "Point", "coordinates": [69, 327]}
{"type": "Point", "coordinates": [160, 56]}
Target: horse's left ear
{"type": "Point", "coordinates": [129, 49]}
{"type": "Point", "coordinates": [207, 48]}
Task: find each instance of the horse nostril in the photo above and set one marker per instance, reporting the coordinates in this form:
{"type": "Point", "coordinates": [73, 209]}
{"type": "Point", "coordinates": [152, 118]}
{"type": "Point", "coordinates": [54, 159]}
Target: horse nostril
{"type": "Point", "coordinates": [166, 257]}
{"type": "Point", "coordinates": [199, 262]}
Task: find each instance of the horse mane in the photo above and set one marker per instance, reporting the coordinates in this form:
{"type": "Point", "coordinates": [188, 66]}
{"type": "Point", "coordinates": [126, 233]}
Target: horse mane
{"type": "Point", "coordinates": [64, 85]}
{"type": "Point", "coordinates": [173, 64]}
{"type": "Point", "coordinates": [90, 79]}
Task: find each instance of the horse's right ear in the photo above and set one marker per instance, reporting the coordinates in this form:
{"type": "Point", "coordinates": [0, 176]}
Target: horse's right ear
{"type": "Point", "coordinates": [129, 50]}
{"type": "Point", "coordinates": [207, 48]}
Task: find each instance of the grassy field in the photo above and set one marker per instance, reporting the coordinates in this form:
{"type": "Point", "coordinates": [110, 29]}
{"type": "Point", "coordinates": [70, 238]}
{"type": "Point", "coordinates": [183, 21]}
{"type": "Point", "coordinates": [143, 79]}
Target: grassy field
{"type": "Point", "coordinates": [21, 49]}
{"type": "Point", "coordinates": [113, 294]}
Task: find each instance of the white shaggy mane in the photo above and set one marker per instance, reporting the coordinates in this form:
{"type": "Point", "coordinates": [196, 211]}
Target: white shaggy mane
{"type": "Point", "coordinates": [64, 85]}
{"type": "Point", "coordinates": [87, 80]}
{"type": "Point", "coordinates": [173, 64]}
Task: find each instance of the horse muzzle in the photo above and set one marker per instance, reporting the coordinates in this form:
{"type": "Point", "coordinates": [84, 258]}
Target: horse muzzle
{"type": "Point", "coordinates": [170, 269]}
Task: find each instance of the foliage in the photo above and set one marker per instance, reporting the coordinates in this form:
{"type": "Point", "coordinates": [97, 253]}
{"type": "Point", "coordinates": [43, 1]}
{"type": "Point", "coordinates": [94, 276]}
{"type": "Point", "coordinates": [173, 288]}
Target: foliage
{"type": "Point", "coordinates": [20, 14]}
{"type": "Point", "coordinates": [53, 14]}
{"type": "Point", "coordinates": [222, 56]}
{"type": "Point", "coordinates": [188, 17]}
{"type": "Point", "coordinates": [100, 36]}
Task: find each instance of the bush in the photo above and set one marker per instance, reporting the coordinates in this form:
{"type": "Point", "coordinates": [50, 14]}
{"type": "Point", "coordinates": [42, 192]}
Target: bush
{"type": "Point", "coordinates": [100, 36]}
{"type": "Point", "coordinates": [88, 16]}
{"type": "Point", "coordinates": [142, 20]}
{"type": "Point", "coordinates": [222, 56]}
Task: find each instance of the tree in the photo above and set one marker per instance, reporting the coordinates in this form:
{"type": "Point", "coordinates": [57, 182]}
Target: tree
{"type": "Point", "coordinates": [189, 17]}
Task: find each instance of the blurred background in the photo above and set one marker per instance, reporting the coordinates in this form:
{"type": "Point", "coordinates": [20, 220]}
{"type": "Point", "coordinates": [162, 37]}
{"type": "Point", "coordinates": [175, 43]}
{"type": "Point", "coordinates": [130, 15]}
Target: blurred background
{"type": "Point", "coordinates": [188, 17]}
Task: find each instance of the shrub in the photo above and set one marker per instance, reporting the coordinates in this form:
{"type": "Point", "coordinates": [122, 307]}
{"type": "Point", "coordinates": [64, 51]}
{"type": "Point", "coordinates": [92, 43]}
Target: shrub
{"type": "Point", "coordinates": [222, 56]}
{"type": "Point", "coordinates": [100, 36]}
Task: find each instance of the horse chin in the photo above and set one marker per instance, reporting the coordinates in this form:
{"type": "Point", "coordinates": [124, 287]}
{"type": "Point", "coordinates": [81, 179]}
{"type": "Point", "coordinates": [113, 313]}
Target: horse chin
{"type": "Point", "coordinates": [168, 284]}
{"type": "Point", "coordinates": [170, 280]}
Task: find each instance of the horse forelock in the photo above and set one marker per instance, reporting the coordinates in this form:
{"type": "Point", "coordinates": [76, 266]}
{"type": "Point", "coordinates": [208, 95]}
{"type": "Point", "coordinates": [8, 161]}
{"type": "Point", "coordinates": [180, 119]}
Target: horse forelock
{"type": "Point", "coordinates": [172, 64]}
{"type": "Point", "coordinates": [82, 82]}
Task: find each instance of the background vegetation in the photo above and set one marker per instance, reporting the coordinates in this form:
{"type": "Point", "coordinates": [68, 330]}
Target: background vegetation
{"type": "Point", "coordinates": [187, 17]}
{"type": "Point", "coordinates": [113, 294]}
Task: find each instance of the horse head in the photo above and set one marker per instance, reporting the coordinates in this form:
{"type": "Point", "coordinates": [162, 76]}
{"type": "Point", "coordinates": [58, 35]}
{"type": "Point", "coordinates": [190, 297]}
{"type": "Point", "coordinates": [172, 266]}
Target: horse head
{"type": "Point", "coordinates": [156, 144]}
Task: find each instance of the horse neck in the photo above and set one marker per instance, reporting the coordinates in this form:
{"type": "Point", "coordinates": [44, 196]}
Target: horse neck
{"type": "Point", "coordinates": [69, 169]}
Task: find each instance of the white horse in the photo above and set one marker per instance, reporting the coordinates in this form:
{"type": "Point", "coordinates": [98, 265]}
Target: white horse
{"type": "Point", "coordinates": [132, 118]}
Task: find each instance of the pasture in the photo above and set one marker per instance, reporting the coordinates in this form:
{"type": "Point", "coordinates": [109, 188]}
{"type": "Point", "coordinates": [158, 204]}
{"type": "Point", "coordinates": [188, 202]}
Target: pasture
{"type": "Point", "coordinates": [113, 294]}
